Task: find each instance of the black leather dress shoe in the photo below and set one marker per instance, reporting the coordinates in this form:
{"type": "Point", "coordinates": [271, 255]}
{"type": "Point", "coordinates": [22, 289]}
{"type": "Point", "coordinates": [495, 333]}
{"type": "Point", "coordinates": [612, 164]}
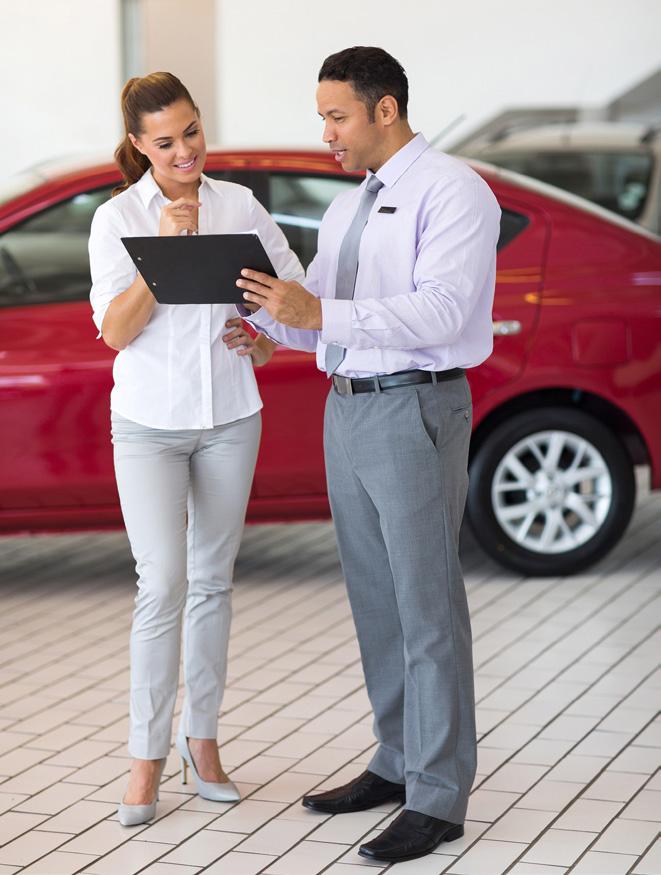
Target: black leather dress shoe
{"type": "Point", "coordinates": [366, 791]}
{"type": "Point", "coordinates": [409, 836]}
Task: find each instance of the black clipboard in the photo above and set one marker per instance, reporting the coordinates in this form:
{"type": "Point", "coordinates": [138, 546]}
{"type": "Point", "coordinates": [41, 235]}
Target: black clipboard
{"type": "Point", "coordinates": [197, 269]}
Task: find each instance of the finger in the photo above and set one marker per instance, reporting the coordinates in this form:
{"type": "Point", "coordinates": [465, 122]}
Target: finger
{"type": "Point", "coordinates": [183, 201]}
{"type": "Point", "coordinates": [231, 335]}
{"type": "Point", "coordinates": [255, 298]}
{"type": "Point", "coordinates": [240, 337]}
{"type": "Point", "coordinates": [241, 342]}
{"type": "Point", "coordinates": [259, 289]}
{"type": "Point", "coordinates": [234, 323]}
{"type": "Point", "coordinates": [258, 277]}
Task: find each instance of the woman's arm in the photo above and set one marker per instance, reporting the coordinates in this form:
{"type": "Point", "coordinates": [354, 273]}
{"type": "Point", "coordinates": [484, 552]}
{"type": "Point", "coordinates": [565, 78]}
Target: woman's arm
{"type": "Point", "coordinates": [131, 310]}
{"type": "Point", "coordinates": [127, 314]}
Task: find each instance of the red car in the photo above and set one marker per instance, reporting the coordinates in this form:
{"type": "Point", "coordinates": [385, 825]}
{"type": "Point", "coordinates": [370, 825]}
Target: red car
{"type": "Point", "coordinates": [564, 408]}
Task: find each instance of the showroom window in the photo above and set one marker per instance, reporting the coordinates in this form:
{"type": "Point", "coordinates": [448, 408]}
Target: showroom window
{"type": "Point", "coordinates": [44, 259]}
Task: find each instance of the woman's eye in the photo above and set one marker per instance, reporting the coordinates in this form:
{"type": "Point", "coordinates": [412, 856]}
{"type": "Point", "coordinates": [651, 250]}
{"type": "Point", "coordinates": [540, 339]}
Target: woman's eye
{"type": "Point", "coordinates": [165, 145]}
{"type": "Point", "coordinates": [192, 133]}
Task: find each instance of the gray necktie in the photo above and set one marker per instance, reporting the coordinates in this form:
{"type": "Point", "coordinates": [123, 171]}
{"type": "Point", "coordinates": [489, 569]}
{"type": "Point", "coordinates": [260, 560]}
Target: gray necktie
{"type": "Point", "coordinates": [347, 263]}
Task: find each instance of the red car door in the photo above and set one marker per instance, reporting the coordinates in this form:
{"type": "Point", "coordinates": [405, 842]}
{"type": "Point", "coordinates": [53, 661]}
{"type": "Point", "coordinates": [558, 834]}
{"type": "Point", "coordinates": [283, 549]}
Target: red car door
{"type": "Point", "coordinates": [55, 377]}
{"type": "Point", "coordinates": [519, 279]}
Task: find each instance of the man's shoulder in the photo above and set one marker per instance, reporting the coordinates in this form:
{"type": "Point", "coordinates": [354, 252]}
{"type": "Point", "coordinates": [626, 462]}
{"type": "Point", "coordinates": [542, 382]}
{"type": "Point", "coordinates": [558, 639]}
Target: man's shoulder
{"type": "Point", "coordinates": [450, 176]}
{"type": "Point", "coordinates": [446, 169]}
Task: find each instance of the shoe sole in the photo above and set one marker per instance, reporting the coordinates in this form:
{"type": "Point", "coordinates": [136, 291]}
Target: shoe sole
{"type": "Point", "coordinates": [450, 836]}
{"type": "Point", "coordinates": [330, 809]}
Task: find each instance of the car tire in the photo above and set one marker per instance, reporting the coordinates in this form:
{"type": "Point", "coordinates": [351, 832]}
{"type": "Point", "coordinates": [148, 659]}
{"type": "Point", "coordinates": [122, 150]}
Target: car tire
{"type": "Point", "coordinates": [551, 491]}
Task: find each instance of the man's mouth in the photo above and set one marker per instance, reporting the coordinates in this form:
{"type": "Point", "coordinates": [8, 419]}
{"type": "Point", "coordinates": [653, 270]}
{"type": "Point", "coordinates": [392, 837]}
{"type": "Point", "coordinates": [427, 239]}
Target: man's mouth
{"type": "Point", "coordinates": [185, 166]}
{"type": "Point", "coordinates": [339, 154]}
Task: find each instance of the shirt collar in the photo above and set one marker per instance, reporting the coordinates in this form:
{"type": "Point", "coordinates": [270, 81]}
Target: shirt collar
{"type": "Point", "coordinates": [395, 166]}
{"type": "Point", "coordinates": [147, 187]}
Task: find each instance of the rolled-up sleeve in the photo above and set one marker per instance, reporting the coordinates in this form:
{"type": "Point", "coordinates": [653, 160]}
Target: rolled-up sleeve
{"type": "Point", "coordinates": [455, 255]}
{"type": "Point", "coordinates": [110, 264]}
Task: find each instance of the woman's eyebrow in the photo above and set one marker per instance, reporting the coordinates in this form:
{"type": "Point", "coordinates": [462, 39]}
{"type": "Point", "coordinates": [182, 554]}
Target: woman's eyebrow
{"type": "Point", "coordinates": [186, 129]}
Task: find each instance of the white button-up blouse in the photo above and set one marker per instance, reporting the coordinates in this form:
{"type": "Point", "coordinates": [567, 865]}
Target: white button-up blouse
{"type": "Point", "coordinates": [177, 373]}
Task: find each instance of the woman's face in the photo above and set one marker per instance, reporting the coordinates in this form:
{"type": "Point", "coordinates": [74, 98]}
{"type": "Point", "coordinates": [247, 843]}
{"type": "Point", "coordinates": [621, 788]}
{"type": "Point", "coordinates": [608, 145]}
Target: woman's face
{"type": "Point", "coordinates": [173, 140]}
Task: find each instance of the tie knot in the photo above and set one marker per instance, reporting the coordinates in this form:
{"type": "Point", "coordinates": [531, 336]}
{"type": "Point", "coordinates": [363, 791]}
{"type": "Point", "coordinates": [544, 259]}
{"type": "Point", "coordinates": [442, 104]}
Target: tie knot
{"type": "Point", "coordinates": [374, 183]}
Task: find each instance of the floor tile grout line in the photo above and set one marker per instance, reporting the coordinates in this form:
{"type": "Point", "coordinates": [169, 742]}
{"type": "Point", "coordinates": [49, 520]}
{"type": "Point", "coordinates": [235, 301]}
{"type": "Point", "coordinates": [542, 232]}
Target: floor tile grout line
{"type": "Point", "coordinates": [611, 821]}
{"type": "Point", "coordinates": [586, 786]}
{"type": "Point", "coordinates": [550, 768]}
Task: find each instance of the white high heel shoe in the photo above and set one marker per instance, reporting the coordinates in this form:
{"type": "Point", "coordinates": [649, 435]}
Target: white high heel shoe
{"type": "Point", "coordinates": [132, 815]}
{"type": "Point", "coordinates": [214, 791]}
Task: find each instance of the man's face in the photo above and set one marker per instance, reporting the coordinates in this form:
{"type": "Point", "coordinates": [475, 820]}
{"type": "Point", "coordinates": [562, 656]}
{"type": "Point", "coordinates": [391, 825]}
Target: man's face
{"type": "Point", "coordinates": [355, 141]}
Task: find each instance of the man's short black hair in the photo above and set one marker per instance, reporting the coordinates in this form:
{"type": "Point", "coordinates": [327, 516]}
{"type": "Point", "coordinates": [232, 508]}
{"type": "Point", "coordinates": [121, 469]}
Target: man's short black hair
{"type": "Point", "coordinates": [372, 72]}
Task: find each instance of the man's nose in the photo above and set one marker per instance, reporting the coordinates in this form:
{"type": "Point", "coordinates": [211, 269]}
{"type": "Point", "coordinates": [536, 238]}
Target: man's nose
{"type": "Point", "coordinates": [329, 134]}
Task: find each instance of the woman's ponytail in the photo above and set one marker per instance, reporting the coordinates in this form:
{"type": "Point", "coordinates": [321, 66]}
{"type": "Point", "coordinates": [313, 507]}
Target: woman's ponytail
{"type": "Point", "coordinates": [143, 95]}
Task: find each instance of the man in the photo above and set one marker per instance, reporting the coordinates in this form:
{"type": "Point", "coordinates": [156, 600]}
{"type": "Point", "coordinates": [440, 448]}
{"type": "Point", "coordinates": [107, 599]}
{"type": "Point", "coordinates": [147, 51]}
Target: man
{"type": "Point", "coordinates": [397, 303]}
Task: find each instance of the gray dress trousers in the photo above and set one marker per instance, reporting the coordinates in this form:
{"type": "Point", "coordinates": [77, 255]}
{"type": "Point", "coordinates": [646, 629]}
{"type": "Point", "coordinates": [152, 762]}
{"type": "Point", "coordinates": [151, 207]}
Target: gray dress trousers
{"type": "Point", "coordinates": [184, 496]}
{"type": "Point", "coordinates": [397, 476]}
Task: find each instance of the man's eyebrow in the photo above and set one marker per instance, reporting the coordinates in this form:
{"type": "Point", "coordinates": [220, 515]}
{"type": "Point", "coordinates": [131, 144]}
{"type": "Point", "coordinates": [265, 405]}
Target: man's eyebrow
{"type": "Point", "coordinates": [186, 129]}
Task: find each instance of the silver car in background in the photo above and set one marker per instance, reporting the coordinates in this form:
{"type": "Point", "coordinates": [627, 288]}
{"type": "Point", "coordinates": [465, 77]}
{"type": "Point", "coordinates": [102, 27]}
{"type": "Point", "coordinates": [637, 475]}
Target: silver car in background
{"type": "Point", "coordinates": [613, 164]}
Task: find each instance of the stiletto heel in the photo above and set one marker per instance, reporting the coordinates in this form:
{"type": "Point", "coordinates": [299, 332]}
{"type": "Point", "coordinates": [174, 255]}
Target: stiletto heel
{"type": "Point", "coordinates": [133, 815]}
{"type": "Point", "coordinates": [213, 790]}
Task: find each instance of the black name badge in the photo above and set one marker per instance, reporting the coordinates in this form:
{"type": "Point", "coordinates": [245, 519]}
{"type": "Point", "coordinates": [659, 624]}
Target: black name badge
{"type": "Point", "coordinates": [387, 209]}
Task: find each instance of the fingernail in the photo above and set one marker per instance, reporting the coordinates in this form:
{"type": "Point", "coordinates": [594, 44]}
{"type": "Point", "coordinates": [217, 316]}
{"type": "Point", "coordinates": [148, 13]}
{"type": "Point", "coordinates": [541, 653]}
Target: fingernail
{"type": "Point", "coordinates": [244, 272]}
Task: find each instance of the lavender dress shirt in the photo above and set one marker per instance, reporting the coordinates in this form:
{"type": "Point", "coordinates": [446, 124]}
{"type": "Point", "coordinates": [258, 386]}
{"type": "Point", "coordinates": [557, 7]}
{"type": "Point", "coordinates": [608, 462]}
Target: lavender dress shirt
{"type": "Point", "coordinates": [426, 275]}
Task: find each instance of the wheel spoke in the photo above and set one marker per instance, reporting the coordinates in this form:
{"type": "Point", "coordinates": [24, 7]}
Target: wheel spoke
{"type": "Point", "coordinates": [575, 502]}
{"type": "Point", "coordinates": [550, 529]}
{"type": "Point", "coordinates": [512, 486]}
{"type": "Point", "coordinates": [571, 478]}
{"type": "Point", "coordinates": [555, 447]}
{"type": "Point", "coordinates": [518, 469]}
{"type": "Point", "coordinates": [517, 511]}
{"type": "Point", "coordinates": [524, 528]}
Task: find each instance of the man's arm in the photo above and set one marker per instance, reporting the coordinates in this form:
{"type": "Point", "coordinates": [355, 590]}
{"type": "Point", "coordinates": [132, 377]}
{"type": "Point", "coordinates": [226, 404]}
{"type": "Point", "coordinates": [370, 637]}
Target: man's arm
{"type": "Point", "coordinates": [455, 255]}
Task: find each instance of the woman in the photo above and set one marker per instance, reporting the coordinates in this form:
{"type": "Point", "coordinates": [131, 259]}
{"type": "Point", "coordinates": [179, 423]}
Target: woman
{"type": "Point", "coordinates": [185, 428]}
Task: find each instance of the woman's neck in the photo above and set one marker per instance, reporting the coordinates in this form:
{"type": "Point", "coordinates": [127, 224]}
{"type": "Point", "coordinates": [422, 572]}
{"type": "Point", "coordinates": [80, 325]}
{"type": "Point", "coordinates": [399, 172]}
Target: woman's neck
{"type": "Point", "coordinates": [173, 190]}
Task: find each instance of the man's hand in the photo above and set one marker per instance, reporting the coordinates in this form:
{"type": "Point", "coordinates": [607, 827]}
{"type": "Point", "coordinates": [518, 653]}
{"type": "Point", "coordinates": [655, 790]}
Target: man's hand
{"type": "Point", "coordinates": [287, 302]}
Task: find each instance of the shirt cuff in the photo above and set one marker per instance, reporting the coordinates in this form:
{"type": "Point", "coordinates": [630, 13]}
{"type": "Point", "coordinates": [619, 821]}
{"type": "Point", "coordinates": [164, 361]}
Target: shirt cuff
{"type": "Point", "coordinates": [243, 312]}
{"type": "Point", "coordinates": [336, 319]}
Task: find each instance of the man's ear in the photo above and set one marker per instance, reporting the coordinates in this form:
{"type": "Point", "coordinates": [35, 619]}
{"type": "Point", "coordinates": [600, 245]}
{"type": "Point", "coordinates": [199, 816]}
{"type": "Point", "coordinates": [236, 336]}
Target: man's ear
{"type": "Point", "coordinates": [388, 109]}
{"type": "Point", "coordinates": [135, 143]}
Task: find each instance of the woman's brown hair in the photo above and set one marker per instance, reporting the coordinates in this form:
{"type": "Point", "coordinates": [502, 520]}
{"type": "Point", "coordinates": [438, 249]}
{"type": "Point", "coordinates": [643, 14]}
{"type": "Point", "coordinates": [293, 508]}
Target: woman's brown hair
{"type": "Point", "coordinates": [142, 95]}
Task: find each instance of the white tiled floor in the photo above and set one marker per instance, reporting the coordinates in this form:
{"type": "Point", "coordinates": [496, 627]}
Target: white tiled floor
{"type": "Point", "coordinates": [568, 689]}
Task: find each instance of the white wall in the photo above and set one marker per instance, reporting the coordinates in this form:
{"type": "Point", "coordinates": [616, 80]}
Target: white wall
{"type": "Point", "coordinates": [476, 58]}
{"type": "Point", "coordinates": [60, 79]}
{"type": "Point", "coordinates": [60, 65]}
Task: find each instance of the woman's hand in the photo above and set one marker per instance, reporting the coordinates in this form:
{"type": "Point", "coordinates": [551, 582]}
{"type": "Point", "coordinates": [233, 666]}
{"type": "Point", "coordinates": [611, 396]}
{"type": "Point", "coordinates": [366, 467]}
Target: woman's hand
{"type": "Point", "coordinates": [259, 348]}
{"type": "Point", "coordinates": [180, 215]}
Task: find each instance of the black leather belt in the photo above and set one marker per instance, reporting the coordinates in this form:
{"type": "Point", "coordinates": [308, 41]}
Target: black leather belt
{"type": "Point", "coordinates": [348, 386]}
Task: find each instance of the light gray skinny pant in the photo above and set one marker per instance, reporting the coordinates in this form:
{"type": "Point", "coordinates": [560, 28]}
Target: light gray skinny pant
{"type": "Point", "coordinates": [183, 496]}
{"type": "Point", "coordinates": [396, 466]}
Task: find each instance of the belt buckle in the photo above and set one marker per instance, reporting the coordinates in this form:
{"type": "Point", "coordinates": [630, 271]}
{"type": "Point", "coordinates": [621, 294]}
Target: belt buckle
{"type": "Point", "coordinates": [343, 384]}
